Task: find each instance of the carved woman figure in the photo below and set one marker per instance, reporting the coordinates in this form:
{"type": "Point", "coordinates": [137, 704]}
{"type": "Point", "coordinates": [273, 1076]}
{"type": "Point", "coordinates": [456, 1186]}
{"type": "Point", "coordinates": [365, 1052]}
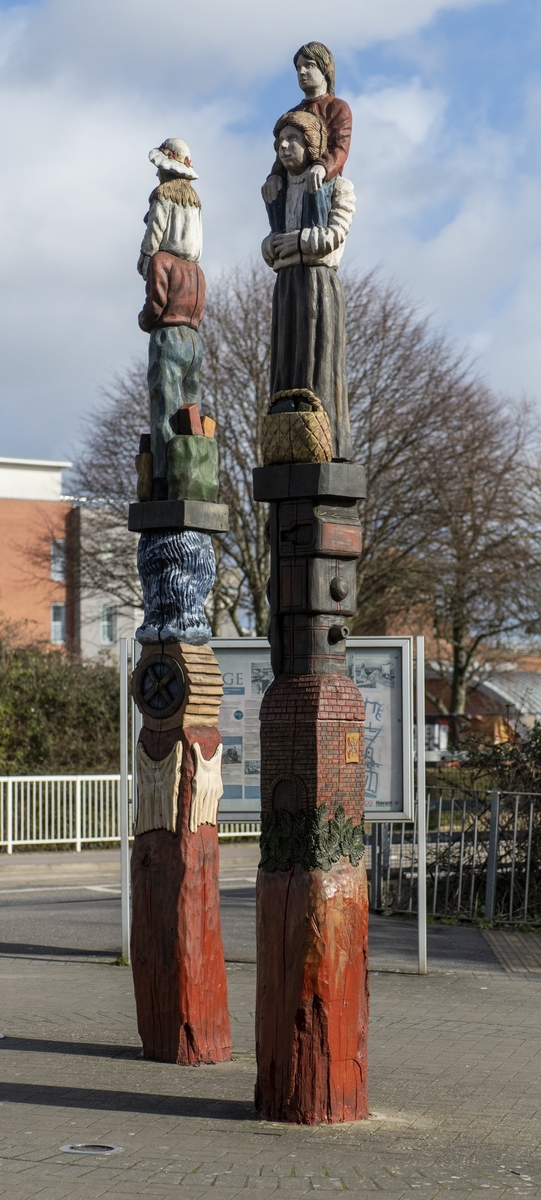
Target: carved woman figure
{"type": "Point", "coordinates": [305, 247]}
{"type": "Point", "coordinates": [314, 64]}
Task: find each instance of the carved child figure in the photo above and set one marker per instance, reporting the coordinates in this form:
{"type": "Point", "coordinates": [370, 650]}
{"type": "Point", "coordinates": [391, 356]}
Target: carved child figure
{"type": "Point", "coordinates": [175, 295]}
{"type": "Point", "coordinates": [316, 75]}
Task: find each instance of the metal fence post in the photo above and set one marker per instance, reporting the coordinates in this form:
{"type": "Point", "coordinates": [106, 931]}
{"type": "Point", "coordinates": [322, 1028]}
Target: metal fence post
{"type": "Point", "coordinates": [123, 802]}
{"type": "Point", "coordinates": [10, 817]}
{"type": "Point", "coordinates": [492, 860]}
{"type": "Point", "coordinates": [421, 811]}
{"type": "Point", "coordinates": [78, 814]}
{"type": "Point", "coordinates": [136, 727]}
{"type": "Point", "coordinates": [375, 868]}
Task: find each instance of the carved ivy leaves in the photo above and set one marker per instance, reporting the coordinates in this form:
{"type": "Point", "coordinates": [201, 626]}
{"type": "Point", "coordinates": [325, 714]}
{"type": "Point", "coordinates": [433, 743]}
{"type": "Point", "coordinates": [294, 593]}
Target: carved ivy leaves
{"type": "Point", "coordinates": [309, 839]}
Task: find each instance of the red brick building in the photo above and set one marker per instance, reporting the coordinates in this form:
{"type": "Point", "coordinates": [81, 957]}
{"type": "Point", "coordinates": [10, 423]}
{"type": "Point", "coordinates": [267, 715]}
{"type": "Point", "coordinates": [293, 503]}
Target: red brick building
{"type": "Point", "coordinates": [33, 516]}
{"type": "Point", "coordinates": [41, 534]}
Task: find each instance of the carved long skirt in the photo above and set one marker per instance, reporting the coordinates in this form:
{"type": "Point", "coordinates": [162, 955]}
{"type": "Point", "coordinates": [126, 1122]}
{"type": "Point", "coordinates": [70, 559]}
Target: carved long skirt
{"type": "Point", "coordinates": [308, 348]}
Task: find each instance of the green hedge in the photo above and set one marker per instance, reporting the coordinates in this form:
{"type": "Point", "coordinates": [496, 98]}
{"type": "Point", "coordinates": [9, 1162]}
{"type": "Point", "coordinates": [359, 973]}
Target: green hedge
{"type": "Point", "coordinates": [56, 716]}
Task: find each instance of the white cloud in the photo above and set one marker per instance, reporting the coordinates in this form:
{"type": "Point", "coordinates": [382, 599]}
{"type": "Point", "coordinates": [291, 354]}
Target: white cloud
{"type": "Point", "coordinates": [206, 45]}
{"type": "Point", "coordinates": [457, 220]}
{"type": "Point", "coordinates": [71, 211]}
{"type": "Point", "coordinates": [406, 115]}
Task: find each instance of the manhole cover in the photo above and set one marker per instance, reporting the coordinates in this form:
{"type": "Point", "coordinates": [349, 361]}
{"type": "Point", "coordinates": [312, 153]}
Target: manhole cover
{"type": "Point", "coordinates": [91, 1148]}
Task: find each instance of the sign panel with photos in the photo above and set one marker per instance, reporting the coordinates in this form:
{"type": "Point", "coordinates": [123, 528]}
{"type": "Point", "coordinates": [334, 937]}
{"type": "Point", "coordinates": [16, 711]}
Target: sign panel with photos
{"type": "Point", "coordinates": [246, 673]}
{"type": "Point", "coordinates": [382, 670]}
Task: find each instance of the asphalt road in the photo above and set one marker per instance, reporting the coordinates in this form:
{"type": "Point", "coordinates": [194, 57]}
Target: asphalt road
{"type": "Point", "coordinates": [49, 912]}
{"type": "Point", "coordinates": [85, 923]}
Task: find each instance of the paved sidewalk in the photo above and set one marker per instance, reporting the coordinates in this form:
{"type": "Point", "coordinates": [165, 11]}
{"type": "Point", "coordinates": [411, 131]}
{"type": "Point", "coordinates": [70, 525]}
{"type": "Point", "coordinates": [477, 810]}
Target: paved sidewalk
{"type": "Point", "coordinates": [518, 952]}
{"type": "Point", "coordinates": [455, 1089]}
{"type": "Point", "coordinates": [454, 1085]}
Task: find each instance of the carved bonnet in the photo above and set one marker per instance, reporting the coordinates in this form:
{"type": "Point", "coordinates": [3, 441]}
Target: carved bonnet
{"type": "Point", "coordinates": [174, 155]}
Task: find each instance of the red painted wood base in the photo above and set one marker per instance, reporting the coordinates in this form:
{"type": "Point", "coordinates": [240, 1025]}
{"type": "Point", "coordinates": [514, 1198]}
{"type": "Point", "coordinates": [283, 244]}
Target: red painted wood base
{"type": "Point", "coordinates": [312, 994]}
{"type": "Point", "coordinates": [177, 953]}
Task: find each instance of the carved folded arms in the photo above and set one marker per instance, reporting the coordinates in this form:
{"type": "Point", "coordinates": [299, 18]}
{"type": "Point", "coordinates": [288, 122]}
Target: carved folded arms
{"type": "Point", "coordinates": [320, 244]}
{"type": "Point", "coordinates": [319, 241]}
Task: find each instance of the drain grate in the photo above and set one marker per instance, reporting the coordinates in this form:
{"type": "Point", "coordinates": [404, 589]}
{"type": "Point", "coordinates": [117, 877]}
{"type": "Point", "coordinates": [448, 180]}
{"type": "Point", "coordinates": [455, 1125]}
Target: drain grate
{"type": "Point", "coordinates": [91, 1148]}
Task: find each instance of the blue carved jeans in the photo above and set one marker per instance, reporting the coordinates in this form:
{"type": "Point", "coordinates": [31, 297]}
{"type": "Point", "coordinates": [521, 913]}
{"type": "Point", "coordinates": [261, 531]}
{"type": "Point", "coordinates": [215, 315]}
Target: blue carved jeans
{"type": "Point", "coordinates": [174, 361]}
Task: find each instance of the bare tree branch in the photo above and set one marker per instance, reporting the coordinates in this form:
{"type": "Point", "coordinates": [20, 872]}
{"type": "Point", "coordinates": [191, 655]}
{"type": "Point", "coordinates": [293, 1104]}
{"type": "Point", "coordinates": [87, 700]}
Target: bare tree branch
{"type": "Point", "coordinates": [451, 521]}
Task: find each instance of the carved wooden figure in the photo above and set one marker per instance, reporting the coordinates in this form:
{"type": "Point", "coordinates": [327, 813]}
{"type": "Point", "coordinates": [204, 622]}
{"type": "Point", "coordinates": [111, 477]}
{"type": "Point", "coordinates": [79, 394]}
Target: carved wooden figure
{"type": "Point", "coordinates": [177, 953]}
{"type": "Point", "coordinates": [312, 910]}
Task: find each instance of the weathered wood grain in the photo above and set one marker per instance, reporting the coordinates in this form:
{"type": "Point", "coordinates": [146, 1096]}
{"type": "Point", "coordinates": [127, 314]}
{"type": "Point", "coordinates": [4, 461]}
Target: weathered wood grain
{"type": "Point", "coordinates": [177, 952]}
{"type": "Point", "coordinates": [312, 994]}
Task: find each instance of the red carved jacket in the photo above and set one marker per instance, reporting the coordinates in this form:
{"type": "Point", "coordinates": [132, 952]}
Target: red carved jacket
{"type": "Point", "coordinates": [175, 293]}
{"type": "Point", "coordinates": [336, 115]}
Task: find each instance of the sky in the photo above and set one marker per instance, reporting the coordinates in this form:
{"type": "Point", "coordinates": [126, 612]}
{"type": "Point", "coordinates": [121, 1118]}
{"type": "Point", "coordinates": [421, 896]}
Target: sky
{"type": "Point", "coordinates": [445, 161]}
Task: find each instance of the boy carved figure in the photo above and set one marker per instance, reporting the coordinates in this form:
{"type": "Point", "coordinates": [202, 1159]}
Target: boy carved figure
{"type": "Point", "coordinates": [316, 76]}
{"type": "Point", "coordinates": [175, 296]}
{"type": "Point", "coordinates": [308, 232]}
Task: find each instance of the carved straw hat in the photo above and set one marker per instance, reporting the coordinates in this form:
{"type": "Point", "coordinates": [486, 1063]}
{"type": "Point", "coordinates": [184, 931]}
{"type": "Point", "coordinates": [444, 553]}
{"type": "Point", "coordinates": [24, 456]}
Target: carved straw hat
{"type": "Point", "coordinates": [174, 155]}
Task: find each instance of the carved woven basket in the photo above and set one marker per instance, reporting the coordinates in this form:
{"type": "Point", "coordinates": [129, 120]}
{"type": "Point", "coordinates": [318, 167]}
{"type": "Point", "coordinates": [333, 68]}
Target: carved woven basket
{"type": "Point", "coordinates": [300, 437]}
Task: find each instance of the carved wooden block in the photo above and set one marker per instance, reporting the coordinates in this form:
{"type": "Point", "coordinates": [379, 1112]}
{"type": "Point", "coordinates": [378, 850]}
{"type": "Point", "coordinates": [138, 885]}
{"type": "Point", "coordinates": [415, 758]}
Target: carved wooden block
{"type": "Point", "coordinates": [187, 419]}
{"type": "Point", "coordinates": [297, 480]}
{"type": "Point", "coordinates": [178, 514]}
{"type": "Point", "coordinates": [177, 685]}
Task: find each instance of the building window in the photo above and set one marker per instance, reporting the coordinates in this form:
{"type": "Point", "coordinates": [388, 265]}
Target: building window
{"type": "Point", "coordinates": [108, 624]}
{"type": "Point", "coordinates": [58, 560]}
{"type": "Point", "coordinates": [58, 624]}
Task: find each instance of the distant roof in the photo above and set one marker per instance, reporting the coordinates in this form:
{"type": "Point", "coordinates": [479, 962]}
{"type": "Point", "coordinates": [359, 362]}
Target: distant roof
{"type": "Point", "coordinates": [46, 463]}
{"type": "Point", "coordinates": [520, 689]}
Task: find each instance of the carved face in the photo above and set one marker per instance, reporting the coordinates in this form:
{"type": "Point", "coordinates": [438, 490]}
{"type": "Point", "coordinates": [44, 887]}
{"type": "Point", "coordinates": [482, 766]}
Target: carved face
{"type": "Point", "coordinates": [311, 80]}
{"type": "Point", "coordinates": [292, 150]}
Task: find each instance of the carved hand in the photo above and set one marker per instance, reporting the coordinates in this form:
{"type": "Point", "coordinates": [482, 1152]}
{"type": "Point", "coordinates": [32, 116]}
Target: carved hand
{"type": "Point", "coordinates": [315, 177]}
{"type": "Point", "coordinates": [285, 244]}
{"type": "Point", "coordinates": [270, 188]}
{"type": "Point", "coordinates": [142, 264]}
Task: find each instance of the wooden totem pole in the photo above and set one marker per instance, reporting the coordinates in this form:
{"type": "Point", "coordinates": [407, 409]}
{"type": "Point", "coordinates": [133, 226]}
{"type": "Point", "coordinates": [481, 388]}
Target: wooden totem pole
{"type": "Point", "coordinates": [177, 953]}
{"type": "Point", "coordinates": [312, 992]}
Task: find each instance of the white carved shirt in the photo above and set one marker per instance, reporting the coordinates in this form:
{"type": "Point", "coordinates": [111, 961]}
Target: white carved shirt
{"type": "Point", "coordinates": [294, 197]}
{"type": "Point", "coordinates": [176, 228]}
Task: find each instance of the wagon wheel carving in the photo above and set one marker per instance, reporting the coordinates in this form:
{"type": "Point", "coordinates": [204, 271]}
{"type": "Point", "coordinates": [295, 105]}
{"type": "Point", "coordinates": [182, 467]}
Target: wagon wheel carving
{"type": "Point", "coordinates": [159, 686]}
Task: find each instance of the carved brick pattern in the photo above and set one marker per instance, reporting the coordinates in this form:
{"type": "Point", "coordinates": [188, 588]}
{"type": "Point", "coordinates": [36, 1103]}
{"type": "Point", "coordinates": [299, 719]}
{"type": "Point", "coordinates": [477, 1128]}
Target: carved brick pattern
{"type": "Point", "coordinates": [304, 721]}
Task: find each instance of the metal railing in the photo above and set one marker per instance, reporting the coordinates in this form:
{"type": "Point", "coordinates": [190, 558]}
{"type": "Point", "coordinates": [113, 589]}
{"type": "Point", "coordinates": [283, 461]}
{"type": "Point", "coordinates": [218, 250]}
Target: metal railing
{"type": "Point", "coordinates": [483, 857]}
{"type": "Point", "coordinates": [483, 848]}
{"type": "Point", "coordinates": [77, 810]}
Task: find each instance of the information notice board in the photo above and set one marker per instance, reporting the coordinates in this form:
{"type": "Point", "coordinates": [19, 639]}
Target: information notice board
{"type": "Point", "coordinates": [382, 670]}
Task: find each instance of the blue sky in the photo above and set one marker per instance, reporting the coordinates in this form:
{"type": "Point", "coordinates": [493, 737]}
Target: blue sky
{"type": "Point", "coordinates": [445, 161]}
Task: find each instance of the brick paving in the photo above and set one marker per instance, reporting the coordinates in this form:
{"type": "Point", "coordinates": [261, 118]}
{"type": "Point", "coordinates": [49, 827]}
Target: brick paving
{"type": "Point", "coordinates": [518, 952]}
{"type": "Point", "coordinates": [455, 1062]}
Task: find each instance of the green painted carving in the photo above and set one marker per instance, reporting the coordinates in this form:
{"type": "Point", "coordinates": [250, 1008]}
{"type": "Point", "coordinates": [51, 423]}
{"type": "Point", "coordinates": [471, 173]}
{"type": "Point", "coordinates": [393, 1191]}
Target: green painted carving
{"type": "Point", "coordinates": [192, 468]}
{"type": "Point", "coordinates": [309, 839]}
